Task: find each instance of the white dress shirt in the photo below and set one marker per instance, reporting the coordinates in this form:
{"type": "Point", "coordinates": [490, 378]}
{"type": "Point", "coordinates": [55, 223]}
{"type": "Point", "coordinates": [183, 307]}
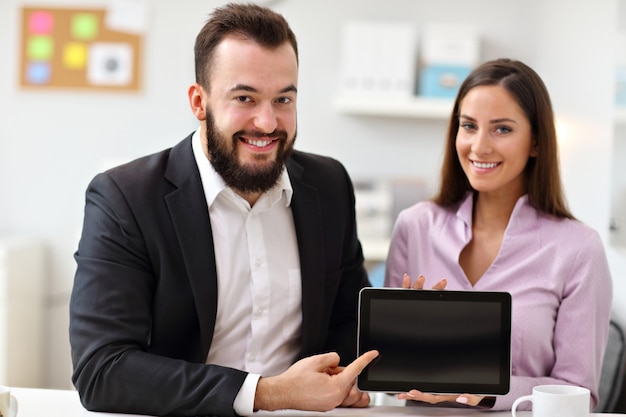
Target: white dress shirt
{"type": "Point", "coordinates": [259, 315]}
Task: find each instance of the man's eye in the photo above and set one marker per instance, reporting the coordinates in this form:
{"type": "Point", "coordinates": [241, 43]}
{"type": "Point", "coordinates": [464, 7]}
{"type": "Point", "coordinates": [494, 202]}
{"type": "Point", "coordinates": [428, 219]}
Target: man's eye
{"type": "Point", "coordinates": [243, 99]}
{"type": "Point", "coordinates": [284, 100]}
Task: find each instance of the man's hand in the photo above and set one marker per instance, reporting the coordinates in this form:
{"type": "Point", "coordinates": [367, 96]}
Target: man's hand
{"type": "Point", "coordinates": [355, 397]}
{"type": "Point", "coordinates": [316, 383]}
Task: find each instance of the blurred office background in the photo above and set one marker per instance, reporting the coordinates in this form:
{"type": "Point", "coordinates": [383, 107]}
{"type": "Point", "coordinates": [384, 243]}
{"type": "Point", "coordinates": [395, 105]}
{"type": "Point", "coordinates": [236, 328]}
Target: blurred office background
{"type": "Point", "coordinates": [52, 142]}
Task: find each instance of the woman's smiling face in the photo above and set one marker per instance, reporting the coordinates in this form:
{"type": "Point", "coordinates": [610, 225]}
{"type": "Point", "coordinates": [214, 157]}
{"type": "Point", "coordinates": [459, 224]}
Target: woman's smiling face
{"type": "Point", "coordinates": [494, 140]}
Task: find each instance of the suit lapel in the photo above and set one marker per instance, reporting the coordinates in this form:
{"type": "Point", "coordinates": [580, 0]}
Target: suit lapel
{"type": "Point", "coordinates": [305, 206]}
{"type": "Point", "coordinates": [190, 217]}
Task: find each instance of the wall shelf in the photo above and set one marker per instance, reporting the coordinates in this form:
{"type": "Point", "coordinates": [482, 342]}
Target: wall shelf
{"type": "Point", "coordinates": [407, 107]}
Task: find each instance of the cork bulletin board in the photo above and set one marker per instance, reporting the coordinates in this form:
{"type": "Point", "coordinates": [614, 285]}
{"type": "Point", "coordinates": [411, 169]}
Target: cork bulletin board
{"type": "Point", "coordinates": [79, 49]}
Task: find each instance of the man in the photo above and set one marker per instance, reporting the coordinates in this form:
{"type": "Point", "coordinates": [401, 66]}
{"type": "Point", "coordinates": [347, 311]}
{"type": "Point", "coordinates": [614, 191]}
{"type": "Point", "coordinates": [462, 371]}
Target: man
{"type": "Point", "coordinates": [221, 276]}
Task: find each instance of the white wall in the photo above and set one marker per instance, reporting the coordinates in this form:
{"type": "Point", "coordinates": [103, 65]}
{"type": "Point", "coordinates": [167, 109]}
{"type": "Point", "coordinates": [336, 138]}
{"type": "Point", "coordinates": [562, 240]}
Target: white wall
{"type": "Point", "coordinates": [52, 143]}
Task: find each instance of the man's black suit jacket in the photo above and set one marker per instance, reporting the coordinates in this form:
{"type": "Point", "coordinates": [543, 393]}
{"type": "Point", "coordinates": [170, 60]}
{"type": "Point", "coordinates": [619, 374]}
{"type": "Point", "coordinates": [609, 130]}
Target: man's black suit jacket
{"type": "Point", "coordinates": [144, 300]}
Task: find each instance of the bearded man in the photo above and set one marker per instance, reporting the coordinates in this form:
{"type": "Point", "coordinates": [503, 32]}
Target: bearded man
{"type": "Point", "coordinates": [221, 276]}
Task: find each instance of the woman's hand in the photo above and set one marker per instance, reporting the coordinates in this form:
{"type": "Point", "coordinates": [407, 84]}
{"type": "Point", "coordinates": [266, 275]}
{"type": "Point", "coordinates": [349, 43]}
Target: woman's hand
{"type": "Point", "coordinates": [415, 395]}
{"type": "Point", "coordinates": [419, 283]}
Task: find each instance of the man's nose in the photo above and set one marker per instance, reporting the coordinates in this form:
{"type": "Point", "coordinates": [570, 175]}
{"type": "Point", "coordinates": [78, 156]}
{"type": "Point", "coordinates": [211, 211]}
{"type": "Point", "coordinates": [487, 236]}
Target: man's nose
{"type": "Point", "coordinates": [265, 118]}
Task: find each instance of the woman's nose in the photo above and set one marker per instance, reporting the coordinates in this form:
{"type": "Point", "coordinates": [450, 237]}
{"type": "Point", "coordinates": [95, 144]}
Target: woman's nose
{"type": "Point", "coordinates": [481, 143]}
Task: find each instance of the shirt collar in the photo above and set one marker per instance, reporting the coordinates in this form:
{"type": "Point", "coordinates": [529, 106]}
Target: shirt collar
{"type": "Point", "coordinates": [522, 213]}
{"type": "Point", "coordinates": [213, 183]}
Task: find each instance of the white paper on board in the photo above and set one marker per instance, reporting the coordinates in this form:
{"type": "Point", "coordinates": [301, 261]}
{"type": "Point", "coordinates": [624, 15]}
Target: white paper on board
{"type": "Point", "coordinates": [110, 64]}
{"type": "Point", "coordinates": [129, 16]}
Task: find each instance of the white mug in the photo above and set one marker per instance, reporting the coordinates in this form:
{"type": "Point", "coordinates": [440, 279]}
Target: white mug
{"type": "Point", "coordinates": [557, 400]}
{"type": "Point", "coordinates": [8, 403]}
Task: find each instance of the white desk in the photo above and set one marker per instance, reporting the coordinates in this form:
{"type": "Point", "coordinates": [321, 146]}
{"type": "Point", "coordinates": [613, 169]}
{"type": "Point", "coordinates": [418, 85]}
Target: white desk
{"type": "Point", "coordinates": [35, 402]}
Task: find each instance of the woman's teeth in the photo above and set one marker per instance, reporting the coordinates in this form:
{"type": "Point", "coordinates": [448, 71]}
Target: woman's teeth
{"type": "Point", "coordinates": [484, 165]}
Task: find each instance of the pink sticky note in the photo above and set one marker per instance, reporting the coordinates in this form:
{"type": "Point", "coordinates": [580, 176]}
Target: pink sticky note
{"type": "Point", "coordinates": [40, 22]}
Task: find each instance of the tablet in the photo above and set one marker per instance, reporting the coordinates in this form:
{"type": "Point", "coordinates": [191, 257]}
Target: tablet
{"type": "Point", "coordinates": [450, 342]}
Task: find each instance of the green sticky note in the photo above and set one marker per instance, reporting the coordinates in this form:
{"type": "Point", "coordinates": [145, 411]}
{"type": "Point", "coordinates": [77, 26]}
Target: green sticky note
{"type": "Point", "coordinates": [84, 26]}
{"type": "Point", "coordinates": [40, 47]}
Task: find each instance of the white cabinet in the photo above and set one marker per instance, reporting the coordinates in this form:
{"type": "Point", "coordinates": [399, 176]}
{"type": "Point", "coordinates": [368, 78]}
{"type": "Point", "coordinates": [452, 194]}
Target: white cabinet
{"type": "Point", "coordinates": [22, 289]}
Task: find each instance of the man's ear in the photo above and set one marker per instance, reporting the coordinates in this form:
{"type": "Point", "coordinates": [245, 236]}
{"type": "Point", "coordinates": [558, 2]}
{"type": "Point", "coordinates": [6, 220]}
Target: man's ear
{"type": "Point", "coordinates": [197, 97]}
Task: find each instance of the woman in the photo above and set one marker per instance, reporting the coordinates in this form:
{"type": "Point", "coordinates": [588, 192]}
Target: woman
{"type": "Point", "coordinates": [500, 223]}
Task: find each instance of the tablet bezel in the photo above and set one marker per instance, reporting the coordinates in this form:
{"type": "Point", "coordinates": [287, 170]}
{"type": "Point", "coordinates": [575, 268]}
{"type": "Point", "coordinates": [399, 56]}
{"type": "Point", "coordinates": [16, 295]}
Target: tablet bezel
{"type": "Point", "coordinates": [366, 382]}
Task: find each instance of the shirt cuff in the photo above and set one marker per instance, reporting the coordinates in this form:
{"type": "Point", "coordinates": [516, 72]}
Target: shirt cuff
{"type": "Point", "coordinates": [244, 401]}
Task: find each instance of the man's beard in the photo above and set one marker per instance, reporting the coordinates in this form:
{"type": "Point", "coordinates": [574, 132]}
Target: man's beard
{"type": "Point", "coordinates": [245, 178]}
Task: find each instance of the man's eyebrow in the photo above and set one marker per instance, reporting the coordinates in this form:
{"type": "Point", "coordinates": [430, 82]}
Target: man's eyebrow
{"type": "Point", "coordinates": [291, 88]}
{"type": "Point", "coordinates": [245, 87]}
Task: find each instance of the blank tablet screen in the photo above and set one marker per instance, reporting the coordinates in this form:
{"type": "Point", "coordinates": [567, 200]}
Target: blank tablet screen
{"type": "Point", "coordinates": [436, 341]}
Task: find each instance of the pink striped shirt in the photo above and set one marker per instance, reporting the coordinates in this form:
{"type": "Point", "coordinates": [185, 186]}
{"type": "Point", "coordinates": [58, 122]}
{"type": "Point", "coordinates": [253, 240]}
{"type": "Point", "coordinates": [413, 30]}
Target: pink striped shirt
{"type": "Point", "coordinates": [555, 269]}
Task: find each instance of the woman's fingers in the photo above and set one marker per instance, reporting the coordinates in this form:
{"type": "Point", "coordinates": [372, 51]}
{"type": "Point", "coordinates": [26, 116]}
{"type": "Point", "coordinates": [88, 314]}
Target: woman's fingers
{"type": "Point", "coordinates": [441, 284]}
{"type": "Point", "coordinates": [406, 281]}
{"type": "Point", "coordinates": [419, 283]}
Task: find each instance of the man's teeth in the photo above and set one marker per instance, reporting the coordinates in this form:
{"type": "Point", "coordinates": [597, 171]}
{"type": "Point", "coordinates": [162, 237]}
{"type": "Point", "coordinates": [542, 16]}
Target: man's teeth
{"type": "Point", "coordinates": [485, 165]}
{"type": "Point", "coordinates": [259, 143]}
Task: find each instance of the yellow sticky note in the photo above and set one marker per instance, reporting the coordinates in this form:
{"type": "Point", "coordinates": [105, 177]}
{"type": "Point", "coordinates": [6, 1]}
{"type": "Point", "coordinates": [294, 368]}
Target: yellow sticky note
{"type": "Point", "coordinates": [75, 55]}
{"type": "Point", "coordinates": [40, 47]}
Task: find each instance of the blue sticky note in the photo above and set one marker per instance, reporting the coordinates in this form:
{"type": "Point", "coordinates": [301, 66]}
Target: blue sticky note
{"type": "Point", "coordinates": [38, 73]}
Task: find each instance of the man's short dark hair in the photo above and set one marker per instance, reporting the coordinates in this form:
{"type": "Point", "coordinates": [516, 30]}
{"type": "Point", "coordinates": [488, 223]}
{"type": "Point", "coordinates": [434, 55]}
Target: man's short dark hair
{"type": "Point", "coordinates": [257, 23]}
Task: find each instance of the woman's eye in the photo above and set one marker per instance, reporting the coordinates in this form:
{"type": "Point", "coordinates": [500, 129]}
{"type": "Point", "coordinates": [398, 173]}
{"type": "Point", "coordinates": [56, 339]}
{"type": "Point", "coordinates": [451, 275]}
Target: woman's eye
{"type": "Point", "coordinates": [467, 125]}
{"type": "Point", "coordinates": [503, 130]}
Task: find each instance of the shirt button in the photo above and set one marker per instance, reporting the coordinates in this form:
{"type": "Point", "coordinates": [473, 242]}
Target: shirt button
{"type": "Point", "coordinates": [257, 262]}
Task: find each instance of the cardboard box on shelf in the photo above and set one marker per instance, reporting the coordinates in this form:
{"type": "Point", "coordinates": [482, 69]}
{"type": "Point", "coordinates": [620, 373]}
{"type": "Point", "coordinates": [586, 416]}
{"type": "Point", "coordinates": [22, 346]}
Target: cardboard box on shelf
{"type": "Point", "coordinates": [448, 55]}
